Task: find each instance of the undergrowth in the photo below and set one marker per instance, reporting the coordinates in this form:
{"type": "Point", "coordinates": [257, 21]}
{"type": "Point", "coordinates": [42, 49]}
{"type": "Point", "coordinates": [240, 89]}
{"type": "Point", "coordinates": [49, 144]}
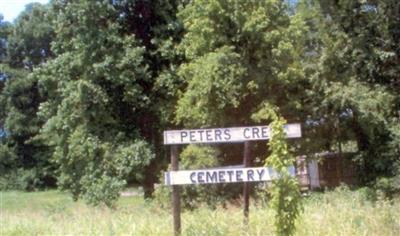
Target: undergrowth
{"type": "Point", "coordinates": [339, 212]}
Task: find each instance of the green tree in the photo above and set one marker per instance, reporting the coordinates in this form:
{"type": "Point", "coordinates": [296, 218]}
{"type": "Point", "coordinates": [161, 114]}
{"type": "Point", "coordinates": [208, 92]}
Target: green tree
{"type": "Point", "coordinates": [239, 54]}
{"type": "Point", "coordinates": [27, 45]}
{"type": "Point", "coordinates": [32, 33]}
{"type": "Point", "coordinates": [4, 33]}
{"type": "Point", "coordinates": [98, 90]}
{"type": "Point", "coordinates": [156, 27]}
{"type": "Point", "coordinates": [355, 81]}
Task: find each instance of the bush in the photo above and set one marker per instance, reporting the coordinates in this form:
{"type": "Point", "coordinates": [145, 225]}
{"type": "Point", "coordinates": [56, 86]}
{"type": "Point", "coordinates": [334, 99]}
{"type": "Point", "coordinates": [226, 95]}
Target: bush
{"type": "Point", "coordinates": [21, 179]}
{"type": "Point", "coordinates": [192, 196]}
{"type": "Point", "coordinates": [388, 187]}
{"type": "Point", "coordinates": [15, 176]}
{"type": "Point", "coordinates": [103, 190]}
{"type": "Point", "coordinates": [97, 170]}
{"type": "Point", "coordinates": [8, 158]}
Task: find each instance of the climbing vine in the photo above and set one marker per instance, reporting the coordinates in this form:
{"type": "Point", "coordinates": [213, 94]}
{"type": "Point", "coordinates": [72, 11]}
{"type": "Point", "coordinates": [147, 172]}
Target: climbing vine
{"type": "Point", "coordinates": [285, 192]}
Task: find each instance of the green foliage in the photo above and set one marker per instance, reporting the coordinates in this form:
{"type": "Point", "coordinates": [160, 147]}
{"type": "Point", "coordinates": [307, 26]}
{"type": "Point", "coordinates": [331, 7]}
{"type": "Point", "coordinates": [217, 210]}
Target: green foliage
{"type": "Point", "coordinates": [194, 157]}
{"type": "Point", "coordinates": [353, 80]}
{"type": "Point", "coordinates": [215, 86]}
{"type": "Point", "coordinates": [198, 157]}
{"type": "Point", "coordinates": [27, 44]}
{"type": "Point", "coordinates": [389, 187]}
{"type": "Point", "coordinates": [162, 195]}
{"type": "Point", "coordinates": [93, 118]}
{"type": "Point", "coordinates": [25, 157]}
{"type": "Point", "coordinates": [285, 191]}
{"type": "Point", "coordinates": [155, 26]}
{"type": "Point", "coordinates": [32, 34]}
{"type": "Point", "coordinates": [88, 85]}
{"type": "Point", "coordinates": [8, 158]}
{"type": "Point", "coordinates": [21, 103]}
{"type": "Point", "coordinates": [97, 171]}
{"type": "Point", "coordinates": [5, 28]}
{"type": "Point", "coordinates": [20, 99]}
{"type": "Point", "coordinates": [239, 54]}
{"type": "Point", "coordinates": [22, 179]}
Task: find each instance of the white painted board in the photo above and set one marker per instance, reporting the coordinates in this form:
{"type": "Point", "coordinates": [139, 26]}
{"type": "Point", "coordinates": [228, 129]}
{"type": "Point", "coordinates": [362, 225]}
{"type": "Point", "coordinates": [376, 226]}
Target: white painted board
{"type": "Point", "coordinates": [221, 175]}
{"type": "Point", "coordinates": [226, 135]}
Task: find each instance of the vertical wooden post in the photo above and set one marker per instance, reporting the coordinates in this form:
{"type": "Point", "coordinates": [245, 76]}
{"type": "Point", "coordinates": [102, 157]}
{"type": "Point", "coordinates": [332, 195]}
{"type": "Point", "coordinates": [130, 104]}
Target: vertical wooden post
{"type": "Point", "coordinates": [176, 197]}
{"type": "Point", "coordinates": [246, 185]}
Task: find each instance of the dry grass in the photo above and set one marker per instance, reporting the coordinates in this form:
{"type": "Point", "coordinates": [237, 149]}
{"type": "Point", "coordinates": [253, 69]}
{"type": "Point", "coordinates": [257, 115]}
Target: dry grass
{"type": "Point", "coordinates": [340, 212]}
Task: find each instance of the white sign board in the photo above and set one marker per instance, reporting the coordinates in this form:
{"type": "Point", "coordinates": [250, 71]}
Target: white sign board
{"type": "Point", "coordinates": [222, 175]}
{"type": "Point", "coordinates": [226, 135]}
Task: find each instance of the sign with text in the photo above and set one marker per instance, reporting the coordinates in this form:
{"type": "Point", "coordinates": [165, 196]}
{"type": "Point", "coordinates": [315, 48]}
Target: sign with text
{"type": "Point", "coordinates": [226, 135]}
{"type": "Point", "coordinates": [222, 175]}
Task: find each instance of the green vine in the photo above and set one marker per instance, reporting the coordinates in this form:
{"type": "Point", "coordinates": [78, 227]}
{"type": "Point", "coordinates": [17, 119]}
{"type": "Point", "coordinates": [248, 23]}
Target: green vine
{"type": "Point", "coordinates": [285, 193]}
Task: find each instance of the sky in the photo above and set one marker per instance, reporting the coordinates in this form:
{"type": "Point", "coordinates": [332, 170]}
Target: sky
{"type": "Point", "coordinates": [10, 9]}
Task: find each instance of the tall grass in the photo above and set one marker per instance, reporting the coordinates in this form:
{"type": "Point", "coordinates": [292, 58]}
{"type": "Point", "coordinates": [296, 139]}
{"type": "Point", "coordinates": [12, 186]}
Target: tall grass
{"type": "Point", "coordinates": [341, 212]}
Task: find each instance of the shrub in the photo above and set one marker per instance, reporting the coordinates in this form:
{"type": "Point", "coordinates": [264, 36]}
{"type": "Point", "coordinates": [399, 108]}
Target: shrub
{"type": "Point", "coordinates": [192, 196]}
{"type": "Point", "coordinates": [388, 187]}
{"type": "Point", "coordinates": [21, 179]}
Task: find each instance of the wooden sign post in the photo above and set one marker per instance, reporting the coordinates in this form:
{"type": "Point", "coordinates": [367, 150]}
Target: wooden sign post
{"type": "Point", "coordinates": [176, 195]}
{"type": "Point", "coordinates": [222, 175]}
{"type": "Point", "coordinates": [246, 187]}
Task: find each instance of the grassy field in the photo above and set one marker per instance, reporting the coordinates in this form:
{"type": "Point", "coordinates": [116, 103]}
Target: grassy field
{"type": "Point", "coordinates": [340, 212]}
